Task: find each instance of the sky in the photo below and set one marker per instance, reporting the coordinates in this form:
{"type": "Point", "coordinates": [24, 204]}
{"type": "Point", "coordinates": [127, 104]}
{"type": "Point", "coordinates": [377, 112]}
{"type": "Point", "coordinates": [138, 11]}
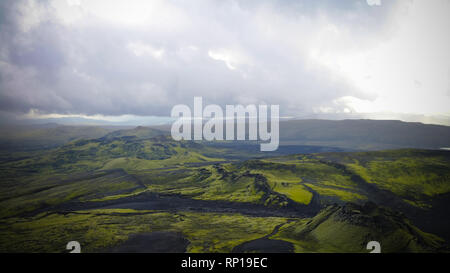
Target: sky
{"type": "Point", "coordinates": [134, 60]}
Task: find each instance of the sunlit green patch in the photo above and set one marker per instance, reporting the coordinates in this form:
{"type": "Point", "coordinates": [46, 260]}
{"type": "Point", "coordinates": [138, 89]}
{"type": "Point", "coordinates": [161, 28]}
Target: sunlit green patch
{"type": "Point", "coordinates": [344, 195]}
{"type": "Point", "coordinates": [295, 192]}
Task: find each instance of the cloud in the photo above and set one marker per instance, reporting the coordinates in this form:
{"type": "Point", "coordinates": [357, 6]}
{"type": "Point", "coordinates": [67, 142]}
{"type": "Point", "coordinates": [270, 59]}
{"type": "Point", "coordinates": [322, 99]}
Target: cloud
{"type": "Point", "coordinates": [117, 58]}
{"type": "Point", "coordinates": [407, 71]}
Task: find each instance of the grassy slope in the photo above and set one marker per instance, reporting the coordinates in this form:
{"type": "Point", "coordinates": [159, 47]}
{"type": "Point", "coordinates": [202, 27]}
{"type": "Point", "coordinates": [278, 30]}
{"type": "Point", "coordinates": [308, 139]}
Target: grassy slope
{"type": "Point", "coordinates": [415, 175]}
{"type": "Point", "coordinates": [87, 169]}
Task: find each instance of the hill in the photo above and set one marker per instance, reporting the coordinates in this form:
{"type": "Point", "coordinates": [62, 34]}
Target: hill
{"type": "Point", "coordinates": [350, 227]}
{"type": "Point", "coordinates": [15, 138]}
{"type": "Point", "coordinates": [365, 134]}
{"type": "Point", "coordinates": [139, 132]}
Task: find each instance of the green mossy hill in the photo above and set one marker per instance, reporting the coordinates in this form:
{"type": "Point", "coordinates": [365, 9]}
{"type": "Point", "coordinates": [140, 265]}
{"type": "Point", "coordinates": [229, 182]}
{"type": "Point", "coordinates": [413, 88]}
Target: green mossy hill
{"type": "Point", "coordinates": [350, 227]}
{"type": "Point", "coordinates": [126, 152]}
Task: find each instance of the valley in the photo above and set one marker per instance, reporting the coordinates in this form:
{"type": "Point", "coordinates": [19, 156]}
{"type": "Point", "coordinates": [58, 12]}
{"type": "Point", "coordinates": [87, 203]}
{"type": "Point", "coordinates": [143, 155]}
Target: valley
{"type": "Point", "coordinates": [116, 192]}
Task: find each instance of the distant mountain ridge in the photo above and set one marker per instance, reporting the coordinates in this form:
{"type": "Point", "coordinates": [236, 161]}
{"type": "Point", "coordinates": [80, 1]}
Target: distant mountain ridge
{"type": "Point", "coordinates": [361, 134]}
{"type": "Point", "coordinates": [344, 134]}
{"type": "Point", "coordinates": [45, 136]}
{"type": "Point", "coordinates": [365, 134]}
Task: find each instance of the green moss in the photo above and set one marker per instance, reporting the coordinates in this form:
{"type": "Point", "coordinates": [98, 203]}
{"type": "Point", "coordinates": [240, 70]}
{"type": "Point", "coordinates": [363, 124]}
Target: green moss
{"type": "Point", "coordinates": [330, 231]}
{"type": "Point", "coordinates": [295, 192]}
{"type": "Point", "coordinates": [341, 194]}
{"type": "Point", "coordinates": [99, 230]}
{"type": "Point", "coordinates": [412, 175]}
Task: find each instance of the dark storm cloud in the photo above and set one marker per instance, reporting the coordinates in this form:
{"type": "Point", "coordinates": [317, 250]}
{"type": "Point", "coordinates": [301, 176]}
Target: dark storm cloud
{"type": "Point", "coordinates": [70, 59]}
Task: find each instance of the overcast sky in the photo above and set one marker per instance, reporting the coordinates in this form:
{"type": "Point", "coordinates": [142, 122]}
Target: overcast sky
{"type": "Point", "coordinates": [109, 59]}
